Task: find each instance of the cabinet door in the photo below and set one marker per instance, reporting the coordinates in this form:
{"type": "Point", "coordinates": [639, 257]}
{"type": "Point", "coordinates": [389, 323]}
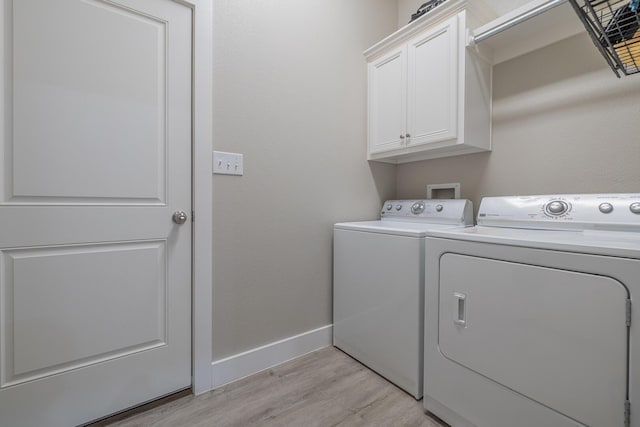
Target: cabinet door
{"type": "Point", "coordinates": [387, 101]}
{"type": "Point", "coordinates": [433, 84]}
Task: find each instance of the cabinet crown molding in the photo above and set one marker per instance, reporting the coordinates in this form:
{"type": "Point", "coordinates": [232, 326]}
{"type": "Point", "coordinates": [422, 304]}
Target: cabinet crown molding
{"type": "Point", "coordinates": [476, 8]}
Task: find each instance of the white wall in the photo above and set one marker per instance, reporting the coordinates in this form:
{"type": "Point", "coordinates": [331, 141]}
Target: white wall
{"type": "Point", "coordinates": [290, 94]}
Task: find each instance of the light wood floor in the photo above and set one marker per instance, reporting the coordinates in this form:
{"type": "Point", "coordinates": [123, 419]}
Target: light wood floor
{"type": "Point", "coordinates": [326, 388]}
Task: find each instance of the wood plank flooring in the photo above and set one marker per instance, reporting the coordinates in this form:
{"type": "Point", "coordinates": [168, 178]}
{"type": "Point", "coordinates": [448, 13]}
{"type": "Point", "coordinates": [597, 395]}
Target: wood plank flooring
{"type": "Point", "coordinates": [326, 388]}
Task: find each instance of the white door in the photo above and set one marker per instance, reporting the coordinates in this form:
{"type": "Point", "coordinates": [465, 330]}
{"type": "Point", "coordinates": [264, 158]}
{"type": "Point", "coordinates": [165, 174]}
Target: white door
{"type": "Point", "coordinates": [432, 98]}
{"type": "Point", "coordinates": [387, 101]}
{"type": "Point", "coordinates": [95, 279]}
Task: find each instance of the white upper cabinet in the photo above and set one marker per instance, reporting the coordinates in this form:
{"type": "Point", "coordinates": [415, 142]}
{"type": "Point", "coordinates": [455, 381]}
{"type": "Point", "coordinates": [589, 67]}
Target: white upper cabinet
{"type": "Point", "coordinates": [429, 95]}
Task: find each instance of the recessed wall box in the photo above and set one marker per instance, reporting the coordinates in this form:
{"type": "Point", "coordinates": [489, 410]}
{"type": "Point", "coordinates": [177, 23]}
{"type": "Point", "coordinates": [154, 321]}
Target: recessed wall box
{"type": "Point", "coordinates": [443, 191]}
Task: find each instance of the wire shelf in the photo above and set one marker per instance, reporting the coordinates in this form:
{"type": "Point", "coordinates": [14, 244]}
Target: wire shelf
{"type": "Point", "coordinates": [615, 30]}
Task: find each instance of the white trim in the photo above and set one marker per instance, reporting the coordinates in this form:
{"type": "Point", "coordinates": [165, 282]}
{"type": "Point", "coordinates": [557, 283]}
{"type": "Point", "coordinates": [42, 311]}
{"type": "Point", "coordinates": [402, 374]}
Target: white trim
{"type": "Point", "coordinates": [202, 306]}
{"type": "Point", "coordinates": [433, 17]}
{"type": "Point", "coordinates": [258, 359]}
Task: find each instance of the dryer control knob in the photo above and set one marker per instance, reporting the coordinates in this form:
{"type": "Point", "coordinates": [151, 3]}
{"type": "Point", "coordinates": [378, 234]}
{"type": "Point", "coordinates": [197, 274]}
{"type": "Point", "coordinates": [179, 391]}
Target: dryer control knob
{"type": "Point", "coordinates": [389, 206]}
{"type": "Point", "coordinates": [635, 208]}
{"type": "Point", "coordinates": [557, 207]}
{"type": "Point", "coordinates": [398, 207]}
{"type": "Point", "coordinates": [606, 208]}
{"type": "Point", "coordinates": [417, 208]}
{"type": "Point", "coordinates": [439, 208]}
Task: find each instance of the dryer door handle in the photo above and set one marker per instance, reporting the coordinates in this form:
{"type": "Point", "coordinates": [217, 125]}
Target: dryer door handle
{"type": "Point", "coordinates": [460, 309]}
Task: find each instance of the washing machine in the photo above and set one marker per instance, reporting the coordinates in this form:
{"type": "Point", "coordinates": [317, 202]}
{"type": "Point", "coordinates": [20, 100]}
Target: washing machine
{"type": "Point", "coordinates": [528, 315]}
{"type": "Point", "coordinates": [378, 285]}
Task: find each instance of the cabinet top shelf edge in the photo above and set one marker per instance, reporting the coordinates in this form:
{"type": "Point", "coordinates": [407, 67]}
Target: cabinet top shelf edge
{"type": "Point", "coordinates": [438, 14]}
{"type": "Point", "coordinates": [533, 26]}
{"type": "Point", "coordinates": [515, 17]}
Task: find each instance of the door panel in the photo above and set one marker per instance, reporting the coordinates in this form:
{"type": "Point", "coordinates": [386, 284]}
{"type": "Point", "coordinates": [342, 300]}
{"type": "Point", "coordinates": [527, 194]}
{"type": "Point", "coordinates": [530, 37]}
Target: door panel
{"type": "Point", "coordinates": [433, 84]}
{"type": "Point", "coordinates": [57, 300]}
{"type": "Point", "coordinates": [77, 143]}
{"type": "Point", "coordinates": [555, 336]}
{"type": "Point", "coordinates": [95, 279]}
{"type": "Point", "coordinates": [387, 101]}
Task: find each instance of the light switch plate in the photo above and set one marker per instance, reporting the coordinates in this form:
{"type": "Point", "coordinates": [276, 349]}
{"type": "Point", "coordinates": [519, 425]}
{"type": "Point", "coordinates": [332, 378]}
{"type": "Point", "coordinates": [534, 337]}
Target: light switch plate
{"type": "Point", "coordinates": [228, 163]}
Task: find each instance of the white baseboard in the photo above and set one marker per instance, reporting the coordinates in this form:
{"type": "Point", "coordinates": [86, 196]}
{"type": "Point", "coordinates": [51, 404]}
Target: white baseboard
{"type": "Point", "coordinates": [240, 365]}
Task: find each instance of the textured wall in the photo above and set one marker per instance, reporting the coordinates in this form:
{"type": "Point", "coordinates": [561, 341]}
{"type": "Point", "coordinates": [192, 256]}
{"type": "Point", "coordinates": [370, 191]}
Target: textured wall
{"type": "Point", "coordinates": [290, 94]}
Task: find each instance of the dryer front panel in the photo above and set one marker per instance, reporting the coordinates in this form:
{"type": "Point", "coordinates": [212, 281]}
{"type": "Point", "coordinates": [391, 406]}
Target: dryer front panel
{"type": "Point", "coordinates": [557, 337]}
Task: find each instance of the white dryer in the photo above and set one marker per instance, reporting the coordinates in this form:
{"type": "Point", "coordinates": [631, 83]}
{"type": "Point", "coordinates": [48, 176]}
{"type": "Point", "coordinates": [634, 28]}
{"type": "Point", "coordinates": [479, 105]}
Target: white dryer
{"type": "Point", "coordinates": [378, 285]}
{"type": "Point", "coordinates": [528, 315]}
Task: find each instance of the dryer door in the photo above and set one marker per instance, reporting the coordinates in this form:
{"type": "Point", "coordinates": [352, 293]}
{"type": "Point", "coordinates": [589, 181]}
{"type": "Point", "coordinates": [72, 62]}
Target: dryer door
{"type": "Point", "coordinates": [555, 336]}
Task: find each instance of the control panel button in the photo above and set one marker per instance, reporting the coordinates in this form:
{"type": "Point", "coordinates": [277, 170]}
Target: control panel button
{"type": "Point", "coordinates": [439, 208]}
{"type": "Point", "coordinates": [417, 208]}
{"type": "Point", "coordinates": [389, 206]}
{"type": "Point", "coordinates": [556, 208]}
{"type": "Point", "coordinates": [606, 208]}
{"type": "Point", "coordinates": [635, 208]}
{"type": "Point", "coordinates": [398, 207]}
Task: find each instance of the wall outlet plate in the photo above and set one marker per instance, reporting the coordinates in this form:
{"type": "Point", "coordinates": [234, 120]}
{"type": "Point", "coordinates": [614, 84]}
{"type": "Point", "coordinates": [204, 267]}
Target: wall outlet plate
{"type": "Point", "coordinates": [228, 163]}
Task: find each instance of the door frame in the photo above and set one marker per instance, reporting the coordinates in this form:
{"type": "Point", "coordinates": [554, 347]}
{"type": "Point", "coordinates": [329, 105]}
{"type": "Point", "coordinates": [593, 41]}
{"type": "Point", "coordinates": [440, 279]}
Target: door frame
{"type": "Point", "coordinates": [202, 181]}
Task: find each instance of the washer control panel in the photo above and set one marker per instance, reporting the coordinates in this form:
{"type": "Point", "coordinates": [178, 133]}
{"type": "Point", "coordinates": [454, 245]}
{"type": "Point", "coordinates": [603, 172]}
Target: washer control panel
{"type": "Point", "coordinates": [571, 211]}
{"type": "Point", "coordinates": [446, 211]}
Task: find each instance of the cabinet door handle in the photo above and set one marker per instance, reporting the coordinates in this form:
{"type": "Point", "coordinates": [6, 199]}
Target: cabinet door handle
{"type": "Point", "coordinates": [401, 136]}
{"type": "Point", "coordinates": [408, 136]}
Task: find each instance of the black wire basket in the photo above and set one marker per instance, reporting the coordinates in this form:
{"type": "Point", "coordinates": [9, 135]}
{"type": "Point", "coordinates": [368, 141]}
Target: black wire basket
{"type": "Point", "coordinates": [614, 27]}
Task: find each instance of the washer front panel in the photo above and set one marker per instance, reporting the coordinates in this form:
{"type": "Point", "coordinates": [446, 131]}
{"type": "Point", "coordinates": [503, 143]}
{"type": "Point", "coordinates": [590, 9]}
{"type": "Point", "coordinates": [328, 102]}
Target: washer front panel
{"type": "Point", "coordinates": [378, 299]}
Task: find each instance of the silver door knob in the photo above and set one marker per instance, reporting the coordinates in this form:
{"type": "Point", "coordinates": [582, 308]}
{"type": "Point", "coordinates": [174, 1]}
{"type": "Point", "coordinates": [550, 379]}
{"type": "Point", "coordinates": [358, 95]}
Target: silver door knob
{"type": "Point", "coordinates": [179, 217]}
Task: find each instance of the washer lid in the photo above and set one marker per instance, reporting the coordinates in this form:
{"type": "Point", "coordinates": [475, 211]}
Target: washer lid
{"type": "Point", "coordinates": [614, 243]}
{"type": "Point", "coordinates": [399, 228]}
